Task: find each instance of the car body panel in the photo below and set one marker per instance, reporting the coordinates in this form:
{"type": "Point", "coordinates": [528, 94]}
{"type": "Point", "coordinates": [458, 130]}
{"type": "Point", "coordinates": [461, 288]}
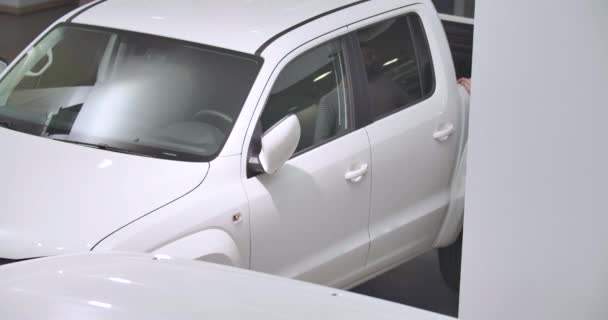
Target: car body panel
{"type": "Point", "coordinates": [309, 222]}
{"type": "Point", "coordinates": [202, 222]}
{"type": "Point", "coordinates": [454, 218]}
{"type": "Point", "coordinates": [281, 47]}
{"type": "Point", "coordinates": [127, 286]}
{"type": "Point", "coordinates": [245, 25]}
{"type": "Point", "coordinates": [412, 171]}
{"type": "Point", "coordinates": [59, 197]}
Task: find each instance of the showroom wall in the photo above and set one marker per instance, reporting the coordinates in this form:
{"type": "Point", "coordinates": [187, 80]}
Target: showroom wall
{"type": "Point", "coordinates": [535, 241]}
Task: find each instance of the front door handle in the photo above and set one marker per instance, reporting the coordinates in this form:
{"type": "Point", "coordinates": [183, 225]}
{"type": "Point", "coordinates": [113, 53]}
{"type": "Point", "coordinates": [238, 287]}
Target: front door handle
{"type": "Point", "coordinates": [443, 132]}
{"type": "Point", "coordinates": [356, 175]}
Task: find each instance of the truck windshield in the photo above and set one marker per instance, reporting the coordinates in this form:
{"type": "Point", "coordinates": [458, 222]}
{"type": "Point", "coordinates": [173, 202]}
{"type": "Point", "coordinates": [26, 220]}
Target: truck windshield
{"type": "Point", "coordinates": [127, 92]}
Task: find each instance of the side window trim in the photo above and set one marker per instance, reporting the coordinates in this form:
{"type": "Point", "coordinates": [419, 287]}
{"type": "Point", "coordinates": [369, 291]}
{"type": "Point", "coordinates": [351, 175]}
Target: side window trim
{"type": "Point", "coordinates": [348, 78]}
{"type": "Point", "coordinates": [417, 50]}
{"type": "Point", "coordinates": [347, 49]}
{"type": "Point", "coordinates": [416, 53]}
{"type": "Point", "coordinates": [357, 48]}
{"type": "Point", "coordinates": [360, 100]}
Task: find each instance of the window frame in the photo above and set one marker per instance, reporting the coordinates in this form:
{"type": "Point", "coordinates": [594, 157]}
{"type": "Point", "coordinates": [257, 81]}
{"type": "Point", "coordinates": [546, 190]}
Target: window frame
{"type": "Point", "coordinates": [363, 74]}
{"type": "Point", "coordinates": [349, 76]}
{"type": "Point", "coordinates": [258, 60]}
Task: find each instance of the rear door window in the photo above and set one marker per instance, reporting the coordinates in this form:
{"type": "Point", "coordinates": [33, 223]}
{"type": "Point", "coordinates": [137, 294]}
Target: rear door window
{"type": "Point", "coordinates": [398, 64]}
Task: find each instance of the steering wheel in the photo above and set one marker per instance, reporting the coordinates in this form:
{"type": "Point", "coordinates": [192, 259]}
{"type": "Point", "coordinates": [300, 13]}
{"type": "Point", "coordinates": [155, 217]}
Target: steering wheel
{"type": "Point", "coordinates": [224, 120]}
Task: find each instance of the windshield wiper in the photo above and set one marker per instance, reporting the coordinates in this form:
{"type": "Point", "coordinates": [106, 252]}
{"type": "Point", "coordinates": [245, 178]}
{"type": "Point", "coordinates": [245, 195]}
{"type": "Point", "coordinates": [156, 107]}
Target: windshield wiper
{"type": "Point", "coordinates": [106, 147]}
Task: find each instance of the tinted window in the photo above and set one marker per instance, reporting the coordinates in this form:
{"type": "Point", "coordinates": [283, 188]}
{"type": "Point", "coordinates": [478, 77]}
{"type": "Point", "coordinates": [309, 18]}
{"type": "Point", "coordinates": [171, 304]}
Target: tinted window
{"type": "Point", "coordinates": [464, 8]}
{"type": "Point", "coordinates": [313, 87]}
{"type": "Point", "coordinates": [398, 64]}
{"type": "Point", "coordinates": [81, 56]}
{"type": "Point", "coordinates": [127, 92]}
{"type": "Point", "coordinates": [423, 55]}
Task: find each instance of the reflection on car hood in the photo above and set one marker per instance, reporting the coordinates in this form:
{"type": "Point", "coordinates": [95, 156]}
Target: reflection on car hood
{"type": "Point", "coordinates": [124, 286]}
{"type": "Point", "coordinates": [58, 197]}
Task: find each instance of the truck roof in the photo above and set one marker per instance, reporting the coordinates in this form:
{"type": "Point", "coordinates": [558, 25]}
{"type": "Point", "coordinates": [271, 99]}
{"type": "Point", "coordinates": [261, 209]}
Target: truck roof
{"type": "Point", "coordinates": [241, 25]}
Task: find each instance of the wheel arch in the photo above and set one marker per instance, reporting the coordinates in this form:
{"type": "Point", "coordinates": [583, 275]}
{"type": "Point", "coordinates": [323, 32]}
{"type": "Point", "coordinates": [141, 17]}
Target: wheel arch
{"type": "Point", "coordinates": [211, 245]}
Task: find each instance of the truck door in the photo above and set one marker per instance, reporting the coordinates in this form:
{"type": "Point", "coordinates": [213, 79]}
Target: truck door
{"type": "Point", "coordinates": [414, 136]}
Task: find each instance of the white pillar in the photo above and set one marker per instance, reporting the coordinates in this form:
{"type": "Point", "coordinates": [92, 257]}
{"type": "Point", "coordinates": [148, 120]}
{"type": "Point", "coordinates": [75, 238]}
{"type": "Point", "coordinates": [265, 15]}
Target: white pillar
{"type": "Point", "coordinates": [536, 221]}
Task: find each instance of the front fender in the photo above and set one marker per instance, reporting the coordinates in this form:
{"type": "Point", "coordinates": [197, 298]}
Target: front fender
{"type": "Point", "coordinates": [202, 225]}
{"type": "Point", "coordinates": [212, 245]}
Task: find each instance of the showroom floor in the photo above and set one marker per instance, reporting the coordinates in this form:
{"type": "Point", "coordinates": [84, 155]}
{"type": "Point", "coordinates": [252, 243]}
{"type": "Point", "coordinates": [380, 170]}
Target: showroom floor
{"type": "Point", "coordinates": [417, 283]}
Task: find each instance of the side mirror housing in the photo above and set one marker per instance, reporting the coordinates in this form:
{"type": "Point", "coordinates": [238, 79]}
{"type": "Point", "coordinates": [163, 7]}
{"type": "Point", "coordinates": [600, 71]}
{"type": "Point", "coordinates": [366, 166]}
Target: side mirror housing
{"type": "Point", "coordinates": [3, 65]}
{"type": "Point", "coordinates": [279, 144]}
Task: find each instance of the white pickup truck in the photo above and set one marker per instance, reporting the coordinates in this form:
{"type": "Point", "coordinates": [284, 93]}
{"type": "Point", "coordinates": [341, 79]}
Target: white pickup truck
{"type": "Point", "coordinates": [321, 140]}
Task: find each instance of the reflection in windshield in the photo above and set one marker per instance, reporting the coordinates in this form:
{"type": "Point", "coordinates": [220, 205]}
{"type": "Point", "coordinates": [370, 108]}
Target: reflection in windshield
{"type": "Point", "coordinates": [127, 92]}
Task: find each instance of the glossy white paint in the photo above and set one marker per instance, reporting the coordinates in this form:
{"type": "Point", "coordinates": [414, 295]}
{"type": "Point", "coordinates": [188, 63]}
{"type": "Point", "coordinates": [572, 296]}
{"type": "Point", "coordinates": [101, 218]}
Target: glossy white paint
{"type": "Point", "coordinates": [309, 220]}
{"type": "Point", "coordinates": [59, 197]}
{"type": "Point", "coordinates": [126, 286]}
{"type": "Point", "coordinates": [212, 245]}
{"type": "Point", "coordinates": [279, 144]}
{"type": "Point", "coordinates": [309, 206]}
{"type": "Point", "coordinates": [319, 218]}
{"type": "Point", "coordinates": [202, 221]}
{"type": "Point", "coordinates": [454, 219]}
{"type": "Point", "coordinates": [240, 25]}
{"type": "Point", "coordinates": [413, 152]}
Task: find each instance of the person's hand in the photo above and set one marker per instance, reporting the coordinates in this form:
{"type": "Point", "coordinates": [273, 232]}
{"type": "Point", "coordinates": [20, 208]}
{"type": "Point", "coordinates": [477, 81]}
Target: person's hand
{"type": "Point", "coordinates": [466, 83]}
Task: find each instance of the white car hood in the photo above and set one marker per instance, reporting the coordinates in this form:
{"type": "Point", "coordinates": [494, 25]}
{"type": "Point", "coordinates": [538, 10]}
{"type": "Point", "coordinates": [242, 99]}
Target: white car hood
{"type": "Point", "coordinates": [57, 197]}
{"type": "Point", "coordinates": [122, 286]}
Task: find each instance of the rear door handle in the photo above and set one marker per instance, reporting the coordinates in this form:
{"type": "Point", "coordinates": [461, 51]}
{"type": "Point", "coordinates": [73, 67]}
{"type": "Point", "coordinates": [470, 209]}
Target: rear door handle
{"type": "Point", "coordinates": [356, 175]}
{"type": "Point", "coordinates": [443, 132]}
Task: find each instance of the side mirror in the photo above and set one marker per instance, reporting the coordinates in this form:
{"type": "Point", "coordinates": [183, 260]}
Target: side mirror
{"type": "Point", "coordinates": [279, 144]}
{"type": "Point", "coordinates": [3, 65]}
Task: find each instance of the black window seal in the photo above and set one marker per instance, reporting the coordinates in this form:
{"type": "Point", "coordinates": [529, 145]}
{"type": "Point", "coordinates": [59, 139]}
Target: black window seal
{"type": "Point", "coordinates": [349, 62]}
{"type": "Point", "coordinates": [349, 91]}
{"type": "Point", "coordinates": [417, 19]}
{"type": "Point", "coordinates": [348, 78]}
{"type": "Point", "coordinates": [426, 41]}
{"type": "Point", "coordinates": [257, 59]}
{"type": "Point", "coordinates": [268, 42]}
{"type": "Point", "coordinates": [83, 10]}
{"type": "Point", "coordinates": [417, 54]}
{"type": "Point", "coordinates": [361, 99]}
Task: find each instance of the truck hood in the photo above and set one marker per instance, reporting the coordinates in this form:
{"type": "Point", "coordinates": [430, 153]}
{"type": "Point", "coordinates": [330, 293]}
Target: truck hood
{"type": "Point", "coordinates": [57, 197]}
{"type": "Point", "coordinates": [127, 286]}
